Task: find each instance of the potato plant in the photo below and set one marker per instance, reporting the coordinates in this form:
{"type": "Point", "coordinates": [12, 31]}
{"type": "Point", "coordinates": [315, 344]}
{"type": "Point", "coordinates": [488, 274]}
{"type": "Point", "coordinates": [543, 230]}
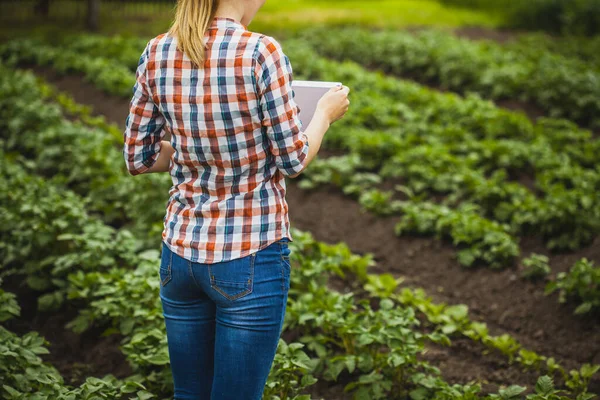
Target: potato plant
{"type": "Point", "coordinates": [581, 283]}
{"type": "Point", "coordinates": [24, 375]}
{"type": "Point", "coordinates": [536, 266]}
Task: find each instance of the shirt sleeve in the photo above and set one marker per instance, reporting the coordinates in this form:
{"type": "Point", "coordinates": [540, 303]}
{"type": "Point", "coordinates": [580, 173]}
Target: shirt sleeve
{"type": "Point", "coordinates": [144, 125]}
{"type": "Point", "coordinates": [288, 144]}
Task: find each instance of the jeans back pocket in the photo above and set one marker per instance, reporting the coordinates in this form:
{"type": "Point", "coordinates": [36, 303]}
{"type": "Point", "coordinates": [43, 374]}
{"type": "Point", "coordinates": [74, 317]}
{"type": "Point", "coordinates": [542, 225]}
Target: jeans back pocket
{"type": "Point", "coordinates": [233, 279]}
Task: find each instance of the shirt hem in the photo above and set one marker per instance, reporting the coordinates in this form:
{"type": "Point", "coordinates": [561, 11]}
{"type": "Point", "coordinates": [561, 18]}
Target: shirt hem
{"type": "Point", "coordinates": [180, 251]}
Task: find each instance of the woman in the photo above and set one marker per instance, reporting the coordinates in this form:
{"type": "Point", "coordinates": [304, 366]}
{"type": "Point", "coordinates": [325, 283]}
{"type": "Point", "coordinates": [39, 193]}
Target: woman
{"type": "Point", "coordinates": [223, 96]}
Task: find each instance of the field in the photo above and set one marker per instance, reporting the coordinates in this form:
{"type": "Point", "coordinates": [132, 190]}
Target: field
{"type": "Point", "coordinates": [446, 239]}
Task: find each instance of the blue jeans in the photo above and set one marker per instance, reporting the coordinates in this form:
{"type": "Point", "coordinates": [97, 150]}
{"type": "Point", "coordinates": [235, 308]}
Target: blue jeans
{"type": "Point", "coordinates": [224, 321]}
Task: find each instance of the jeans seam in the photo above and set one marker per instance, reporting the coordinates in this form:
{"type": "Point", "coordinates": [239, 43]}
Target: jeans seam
{"type": "Point", "coordinates": [282, 267]}
{"type": "Point", "coordinates": [192, 275]}
{"type": "Point", "coordinates": [283, 300]}
{"type": "Point", "coordinates": [282, 275]}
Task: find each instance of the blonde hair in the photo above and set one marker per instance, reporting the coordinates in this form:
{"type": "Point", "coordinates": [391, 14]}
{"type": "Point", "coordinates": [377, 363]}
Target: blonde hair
{"type": "Point", "coordinates": [192, 20]}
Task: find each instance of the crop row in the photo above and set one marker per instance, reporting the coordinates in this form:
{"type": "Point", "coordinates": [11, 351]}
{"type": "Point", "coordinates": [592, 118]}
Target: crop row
{"type": "Point", "coordinates": [530, 46]}
{"type": "Point", "coordinates": [133, 311]}
{"type": "Point", "coordinates": [582, 48]}
{"type": "Point", "coordinates": [465, 149]}
{"type": "Point", "coordinates": [562, 87]}
{"type": "Point", "coordinates": [25, 374]}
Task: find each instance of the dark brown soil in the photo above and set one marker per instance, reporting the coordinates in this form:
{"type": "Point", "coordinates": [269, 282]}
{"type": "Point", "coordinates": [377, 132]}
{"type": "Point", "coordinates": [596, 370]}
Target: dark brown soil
{"type": "Point", "coordinates": [468, 362]}
{"type": "Point", "coordinates": [481, 33]}
{"type": "Point", "coordinates": [507, 303]}
{"type": "Point", "coordinates": [114, 108]}
{"type": "Point", "coordinates": [75, 356]}
{"type": "Point", "coordinates": [531, 110]}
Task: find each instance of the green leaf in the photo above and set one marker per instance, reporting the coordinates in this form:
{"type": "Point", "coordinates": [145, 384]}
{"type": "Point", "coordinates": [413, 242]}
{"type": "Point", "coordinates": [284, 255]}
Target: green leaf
{"type": "Point", "coordinates": [512, 392]}
{"type": "Point", "coordinates": [544, 385]}
{"type": "Point", "coordinates": [419, 394]}
{"type": "Point", "coordinates": [386, 304]}
{"type": "Point", "coordinates": [583, 308]}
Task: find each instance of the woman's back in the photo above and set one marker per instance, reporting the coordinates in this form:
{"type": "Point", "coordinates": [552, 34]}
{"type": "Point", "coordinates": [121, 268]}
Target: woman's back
{"type": "Point", "coordinates": [236, 135]}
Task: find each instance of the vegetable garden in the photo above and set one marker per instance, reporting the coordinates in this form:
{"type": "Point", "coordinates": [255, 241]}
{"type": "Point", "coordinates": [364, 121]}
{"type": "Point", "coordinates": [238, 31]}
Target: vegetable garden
{"type": "Point", "coordinates": [449, 246]}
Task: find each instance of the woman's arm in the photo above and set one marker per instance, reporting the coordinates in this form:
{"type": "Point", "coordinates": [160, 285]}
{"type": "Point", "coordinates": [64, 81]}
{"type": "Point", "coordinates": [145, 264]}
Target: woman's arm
{"type": "Point", "coordinates": [145, 126]}
{"type": "Point", "coordinates": [315, 132]}
{"type": "Point", "coordinates": [292, 148]}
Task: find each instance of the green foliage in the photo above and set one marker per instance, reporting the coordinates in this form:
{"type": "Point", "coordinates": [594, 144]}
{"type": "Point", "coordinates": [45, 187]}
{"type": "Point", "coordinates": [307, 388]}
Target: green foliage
{"type": "Point", "coordinates": [579, 380]}
{"type": "Point", "coordinates": [585, 49]}
{"type": "Point", "coordinates": [580, 17]}
{"type": "Point", "coordinates": [46, 233]}
{"type": "Point", "coordinates": [105, 73]}
{"type": "Point", "coordinates": [9, 308]}
{"type": "Point", "coordinates": [380, 346]}
{"type": "Point", "coordinates": [26, 376]}
{"type": "Point", "coordinates": [536, 266]}
{"type": "Point", "coordinates": [581, 283]}
{"type": "Point", "coordinates": [485, 241]}
{"type": "Point", "coordinates": [291, 373]}
{"type": "Point", "coordinates": [115, 48]}
{"type": "Point", "coordinates": [454, 319]}
{"type": "Point", "coordinates": [88, 160]}
{"type": "Point", "coordinates": [561, 86]}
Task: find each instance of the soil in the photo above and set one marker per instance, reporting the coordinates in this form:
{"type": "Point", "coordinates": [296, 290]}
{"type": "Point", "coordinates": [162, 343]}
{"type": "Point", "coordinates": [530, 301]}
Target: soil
{"type": "Point", "coordinates": [481, 33]}
{"type": "Point", "coordinates": [114, 108]}
{"type": "Point", "coordinates": [507, 303]}
{"type": "Point", "coordinates": [75, 356]}
{"type": "Point", "coordinates": [531, 110]}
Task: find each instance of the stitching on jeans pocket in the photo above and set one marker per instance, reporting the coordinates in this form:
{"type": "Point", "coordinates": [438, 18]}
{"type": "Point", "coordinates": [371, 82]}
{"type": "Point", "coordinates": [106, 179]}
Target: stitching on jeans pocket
{"type": "Point", "coordinates": [165, 273]}
{"type": "Point", "coordinates": [219, 285]}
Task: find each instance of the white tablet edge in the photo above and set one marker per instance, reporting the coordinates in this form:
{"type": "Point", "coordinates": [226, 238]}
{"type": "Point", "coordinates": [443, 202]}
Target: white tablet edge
{"type": "Point", "coordinates": [315, 84]}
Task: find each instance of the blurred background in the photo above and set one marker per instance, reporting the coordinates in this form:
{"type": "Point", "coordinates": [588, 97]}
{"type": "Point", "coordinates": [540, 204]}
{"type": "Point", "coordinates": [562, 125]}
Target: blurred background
{"type": "Point", "coordinates": [579, 17]}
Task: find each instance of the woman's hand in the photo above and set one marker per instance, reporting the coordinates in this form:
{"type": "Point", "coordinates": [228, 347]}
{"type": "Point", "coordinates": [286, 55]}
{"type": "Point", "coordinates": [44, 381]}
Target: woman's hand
{"type": "Point", "coordinates": [334, 104]}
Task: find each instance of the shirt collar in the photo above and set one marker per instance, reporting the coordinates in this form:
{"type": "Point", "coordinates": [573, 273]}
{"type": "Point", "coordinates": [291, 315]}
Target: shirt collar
{"type": "Point", "coordinates": [224, 22]}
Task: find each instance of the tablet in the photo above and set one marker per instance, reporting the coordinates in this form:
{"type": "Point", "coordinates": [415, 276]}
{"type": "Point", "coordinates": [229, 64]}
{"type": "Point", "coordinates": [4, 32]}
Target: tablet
{"type": "Point", "coordinates": [307, 94]}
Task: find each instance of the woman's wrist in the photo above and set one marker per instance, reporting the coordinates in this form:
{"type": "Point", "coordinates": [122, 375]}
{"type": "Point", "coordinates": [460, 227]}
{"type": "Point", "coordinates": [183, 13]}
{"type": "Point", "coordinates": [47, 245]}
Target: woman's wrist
{"type": "Point", "coordinates": [323, 118]}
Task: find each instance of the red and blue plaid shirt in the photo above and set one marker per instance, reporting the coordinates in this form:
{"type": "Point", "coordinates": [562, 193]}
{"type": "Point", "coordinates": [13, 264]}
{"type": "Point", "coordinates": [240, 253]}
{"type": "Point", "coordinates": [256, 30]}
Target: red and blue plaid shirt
{"type": "Point", "coordinates": [235, 129]}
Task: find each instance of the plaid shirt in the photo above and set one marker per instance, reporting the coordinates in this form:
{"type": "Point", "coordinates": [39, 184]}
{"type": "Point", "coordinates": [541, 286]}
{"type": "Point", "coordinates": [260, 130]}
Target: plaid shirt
{"type": "Point", "coordinates": [235, 129]}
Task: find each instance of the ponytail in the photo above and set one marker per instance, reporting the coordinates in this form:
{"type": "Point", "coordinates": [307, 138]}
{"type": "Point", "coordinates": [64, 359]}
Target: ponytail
{"type": "Point", "coordinates": [192, 20]}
